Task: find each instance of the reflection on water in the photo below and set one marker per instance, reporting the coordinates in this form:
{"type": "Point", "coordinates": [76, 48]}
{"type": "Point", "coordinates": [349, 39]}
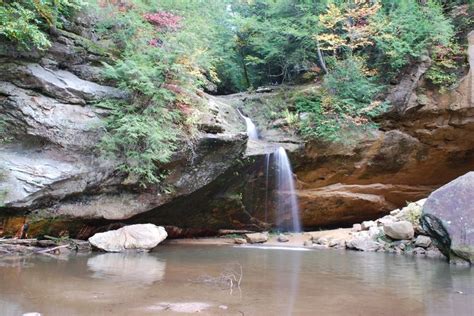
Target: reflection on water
{"type": "Point", "coordinates": [275, 282]}
{"type": "Point", "coordinates": [142, 268]}
{"type": "Point", "coordinates": [9, 308]}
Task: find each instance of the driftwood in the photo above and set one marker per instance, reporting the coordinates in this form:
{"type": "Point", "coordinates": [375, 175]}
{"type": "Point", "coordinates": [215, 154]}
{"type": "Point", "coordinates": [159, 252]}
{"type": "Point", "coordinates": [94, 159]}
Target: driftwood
{"type": "Point", "coordinates": [229, 279]}
{"type": "Point", "coordinates": [52, 249]}
{"type": "Point", "coordinates": [222, 232]}
{"type": "Point", "coordinates": [43, 247]}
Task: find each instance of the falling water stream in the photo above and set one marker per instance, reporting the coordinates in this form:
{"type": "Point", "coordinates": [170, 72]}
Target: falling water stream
{"type": "Point", "coordinates": [286, 194]}
{"type": "Point", "coordinates": [286, 199]}
{"type": "Point", "coordinates": [251, 128]}
{"type": "Point", "coordinates": [267, 171]}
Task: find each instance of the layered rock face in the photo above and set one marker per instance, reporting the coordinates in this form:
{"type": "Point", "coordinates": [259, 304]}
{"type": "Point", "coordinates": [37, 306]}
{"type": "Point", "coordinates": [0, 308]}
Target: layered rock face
{"type": "Point", "coordinates": [425, 142]}
{"type": "Point", "coordinates": [49, 160]}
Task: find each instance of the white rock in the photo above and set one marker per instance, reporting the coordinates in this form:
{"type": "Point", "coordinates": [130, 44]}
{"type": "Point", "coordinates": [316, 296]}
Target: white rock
{"type": "Point", "coordinates": [363, 243]}
{"type": "Point", "coordinates": [423, 241]}
{"type": "Point", "coordinates": [255, 238]}
{"type": "Point", "coordinates": [283, 238]}
{"type": "Point", "coordinates": [132, 237]}
{"type": "Point", "coordinates": [399, 230]}
{"type": "Point", "coordinates": [386, 220]}
{"type": "Point", "coordinates": [240, 241]}
{"type": "Point", "coordinates": [356, 227]}
{"type": "Point", "coordinates": [322, 241]}
{"type": "Point", "coordinates": [337, 243]}
{"type": "Point", "coordinates": [367, 224]}
{"type": "Point", "coordinates": [333, 242]}
{"type": "Point", "coordinates": [395, 212]}
{"type": "Point", "coordinates": [374, 232]}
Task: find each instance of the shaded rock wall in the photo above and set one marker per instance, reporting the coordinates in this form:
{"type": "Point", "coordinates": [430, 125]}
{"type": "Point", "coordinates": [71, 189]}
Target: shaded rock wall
{"type": "Point", "coordinates": [49, 162]}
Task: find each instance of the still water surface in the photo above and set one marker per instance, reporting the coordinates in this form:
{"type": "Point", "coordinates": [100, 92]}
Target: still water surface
{"type": "Point", "coordinates": [177, 279]}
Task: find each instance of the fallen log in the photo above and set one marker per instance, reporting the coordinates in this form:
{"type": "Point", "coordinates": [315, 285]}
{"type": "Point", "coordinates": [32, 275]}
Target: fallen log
{"type": "Point", "coordinates": [222, 232]}
{"type": "Point", "coordinates": [51, 249]}
{"type": "Point", "coordinates": [25, 242]}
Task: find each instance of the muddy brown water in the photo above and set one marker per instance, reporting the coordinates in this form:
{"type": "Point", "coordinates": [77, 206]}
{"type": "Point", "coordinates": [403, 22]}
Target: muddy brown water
{"type": "Point", "coordinates": [181, 279]}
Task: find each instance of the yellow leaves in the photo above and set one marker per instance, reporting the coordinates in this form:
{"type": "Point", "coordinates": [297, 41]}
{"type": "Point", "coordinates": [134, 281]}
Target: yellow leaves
{"type": "Point", "coordinates": [362, 10]}
{"type": "Point", "coordinates": [330, 41]}
{"type": "Point", "coordinates": [44, 12]}
{"type": "Point", "coordinates": [349, 27]}
{"type": "Point", "coordinates": [213, 74]}
{"type": "Point", "coordinates": [332, 16]}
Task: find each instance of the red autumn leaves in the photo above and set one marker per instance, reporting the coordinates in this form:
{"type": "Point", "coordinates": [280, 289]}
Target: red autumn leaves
{"type": "Point", "coordinates": [164, 20]}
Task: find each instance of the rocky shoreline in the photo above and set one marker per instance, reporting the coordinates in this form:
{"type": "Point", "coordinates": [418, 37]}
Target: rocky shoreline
{"type": "Point", "coordinates": [427, 227]}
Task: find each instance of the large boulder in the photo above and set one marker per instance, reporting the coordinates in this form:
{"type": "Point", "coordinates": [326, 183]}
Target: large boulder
{"type": "Point", "coordinates": [399, 230]}
{"type": "Point", "coordinates": [133, 237]}
{"type": "Point", "coordinates": [448, 217]}
{"type": "Point", "coordinates": [256, 238]}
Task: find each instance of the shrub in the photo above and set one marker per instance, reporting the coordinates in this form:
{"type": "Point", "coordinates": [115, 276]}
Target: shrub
{"type": "Point", "coordinates": [446, 62]}
{"type": "Point", "coordinates": [346, 101]}
{"type": "Point", "coordinates": [158, 72]}
{"type": "Point", "coordinates": [20, 25]}
{"type": "Point", "coordinates": [24, 22]}
{"type": "Point", "coordinates": [407, 30]}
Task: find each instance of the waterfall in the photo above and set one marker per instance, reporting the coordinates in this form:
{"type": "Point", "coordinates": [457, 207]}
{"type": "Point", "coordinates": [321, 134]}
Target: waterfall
{"type": "Point", "coordinates": [267, 169]}
{"type": "Point", "coordinates": [285, 184]}
{"type": "Point", "coordinates": [286, 195]}
{"type": "Point", "coordinates": [251, 128]}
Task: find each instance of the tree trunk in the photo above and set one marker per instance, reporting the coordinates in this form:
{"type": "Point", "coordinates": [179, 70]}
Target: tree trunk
{"type": "Point", "coordinates": [320, 56]}
{"type": "Point", "coordinates": [244, 66]}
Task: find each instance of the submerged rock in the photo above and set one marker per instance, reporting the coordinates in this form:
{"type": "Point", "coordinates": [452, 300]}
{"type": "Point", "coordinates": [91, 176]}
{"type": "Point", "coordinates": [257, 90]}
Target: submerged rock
{"type": "Point", "coordinates": [399, 230]}
{"type": "Point", "coordinates": [133, 237]}
{"type": "Point", "coordinates": [448, 217]}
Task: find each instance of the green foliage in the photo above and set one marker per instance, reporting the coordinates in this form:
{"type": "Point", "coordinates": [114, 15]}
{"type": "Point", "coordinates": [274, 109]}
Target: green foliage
{"type": "Point", "coordinates": [25, 22]}
{"type": "Point", "coordinates": [352, 89]}
{"type": "Point", "coordinates": [159, 68]}
{"type": "Point", "coordinates": [274, 40]}
{"type": "Point", "coordinates": [291, 118]}
{"type": "Point", "coordinates": [406, 30]}
{"type": "Point", "coordinates": [20, 25]}
{"type": "Point", "coordinates": [446, 60]}
{"type": "Point", "coordinates": [345, 102]}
